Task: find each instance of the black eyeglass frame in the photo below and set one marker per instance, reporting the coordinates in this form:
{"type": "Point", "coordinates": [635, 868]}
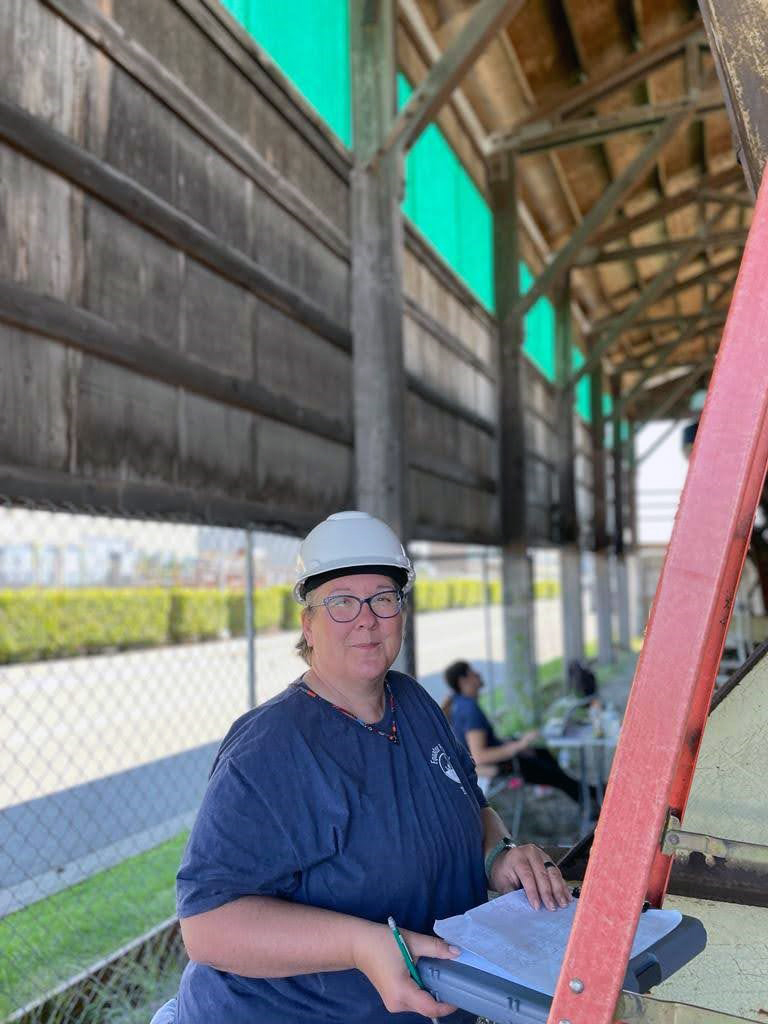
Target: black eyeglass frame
{"type": "Point", "coordinates": [326, 601]}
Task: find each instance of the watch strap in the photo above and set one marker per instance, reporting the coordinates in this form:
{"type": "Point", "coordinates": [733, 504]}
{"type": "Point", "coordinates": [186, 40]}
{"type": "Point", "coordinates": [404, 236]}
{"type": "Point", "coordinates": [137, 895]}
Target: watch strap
{"type": "Point", "coordinates": [502, 846]}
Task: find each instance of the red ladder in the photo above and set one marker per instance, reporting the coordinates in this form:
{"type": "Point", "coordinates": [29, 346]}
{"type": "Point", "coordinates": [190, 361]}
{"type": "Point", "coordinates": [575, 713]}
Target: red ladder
{"type": "Point", "coordinates": [675, 675]}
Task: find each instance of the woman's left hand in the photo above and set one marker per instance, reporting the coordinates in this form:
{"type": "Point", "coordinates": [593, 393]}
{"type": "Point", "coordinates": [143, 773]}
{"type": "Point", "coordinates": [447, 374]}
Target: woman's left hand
{"type": "Point", "coordinates": [529, 868]}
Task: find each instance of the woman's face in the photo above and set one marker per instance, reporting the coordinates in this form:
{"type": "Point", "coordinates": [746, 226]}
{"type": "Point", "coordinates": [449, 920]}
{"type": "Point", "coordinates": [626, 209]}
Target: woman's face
{"type": "Point", "coordinates": [357, 651]}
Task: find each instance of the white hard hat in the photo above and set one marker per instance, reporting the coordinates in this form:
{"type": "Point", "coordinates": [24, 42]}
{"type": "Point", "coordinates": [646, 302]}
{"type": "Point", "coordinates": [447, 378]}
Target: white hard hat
{"type": "Point", "coordinates": [350, 540]}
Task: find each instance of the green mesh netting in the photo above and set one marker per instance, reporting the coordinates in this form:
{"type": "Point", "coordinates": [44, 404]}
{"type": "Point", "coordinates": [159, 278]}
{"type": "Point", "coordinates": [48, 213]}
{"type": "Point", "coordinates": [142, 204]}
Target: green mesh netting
{"type": "Point", "coordinates": [446, 206]}
{"type": "Point", "coordinates": [316, 59]}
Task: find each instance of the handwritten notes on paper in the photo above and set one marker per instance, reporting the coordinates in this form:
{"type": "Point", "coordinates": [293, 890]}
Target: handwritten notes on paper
{"type": "Point", "coordinates": [507, 937]}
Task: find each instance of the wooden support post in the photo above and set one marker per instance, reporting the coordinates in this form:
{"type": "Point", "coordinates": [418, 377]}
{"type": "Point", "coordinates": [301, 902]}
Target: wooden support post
{"type": "Point", "coordinates": [599, 531]}
{"type": "Point", "coordinates": [377, 302]}
{"type": "Point", "coordinates": [567, 524]}
{"type": "Point", "coordinates": [517, 573]}
{"type": "Point", "coordinates": [603, 208]}
{"type": "Point", "coordinates": [622, 581]}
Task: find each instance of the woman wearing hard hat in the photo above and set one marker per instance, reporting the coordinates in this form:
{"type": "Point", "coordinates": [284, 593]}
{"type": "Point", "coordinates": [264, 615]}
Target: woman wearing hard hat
{"type": "Point", "coordinates": [343, 802]}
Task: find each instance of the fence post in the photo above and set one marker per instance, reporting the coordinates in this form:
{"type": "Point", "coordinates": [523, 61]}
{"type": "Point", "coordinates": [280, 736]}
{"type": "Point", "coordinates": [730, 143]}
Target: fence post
{"type": "Point", "coordinates": [249, 632]}
{"type": "Point", "coordinates": [488, 631]}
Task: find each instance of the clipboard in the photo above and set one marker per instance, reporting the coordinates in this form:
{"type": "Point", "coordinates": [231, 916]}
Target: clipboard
{"type": "Point", "coordinates": [505, 1002]}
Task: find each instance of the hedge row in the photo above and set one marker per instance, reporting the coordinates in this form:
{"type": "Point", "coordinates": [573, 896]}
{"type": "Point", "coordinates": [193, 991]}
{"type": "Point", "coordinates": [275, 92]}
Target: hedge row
{"type": "Point", "coordinates": [38, 624]}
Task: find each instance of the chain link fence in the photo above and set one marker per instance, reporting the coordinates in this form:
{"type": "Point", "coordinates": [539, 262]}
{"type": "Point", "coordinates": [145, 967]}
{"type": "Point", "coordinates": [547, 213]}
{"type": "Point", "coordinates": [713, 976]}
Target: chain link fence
{"type": "Point", "coordinates": [124, 658]}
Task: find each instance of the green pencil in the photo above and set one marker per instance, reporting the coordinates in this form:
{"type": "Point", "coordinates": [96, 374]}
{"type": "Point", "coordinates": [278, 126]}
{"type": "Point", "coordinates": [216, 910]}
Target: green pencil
{"type": "Point", "coordinates": [406, 952]}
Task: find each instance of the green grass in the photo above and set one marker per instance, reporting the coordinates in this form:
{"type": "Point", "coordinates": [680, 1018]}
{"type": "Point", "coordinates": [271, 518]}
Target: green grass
{"type": "Point", "coordinates": [50, 941]}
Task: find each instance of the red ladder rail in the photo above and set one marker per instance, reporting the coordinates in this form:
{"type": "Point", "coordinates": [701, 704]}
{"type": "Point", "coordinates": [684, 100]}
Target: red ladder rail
{"type": "Point", "coordinates": [675, 675]}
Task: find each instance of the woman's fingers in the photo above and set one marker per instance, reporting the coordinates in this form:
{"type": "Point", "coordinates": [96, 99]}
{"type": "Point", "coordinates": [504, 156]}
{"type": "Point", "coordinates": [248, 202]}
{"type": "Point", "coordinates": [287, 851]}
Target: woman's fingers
{"type": "Point", "coordinates": [528, 867]}
{"type": "Point", "coordinates": [380, 959]}
{"type": "Point", "coordinates": [429, 945]}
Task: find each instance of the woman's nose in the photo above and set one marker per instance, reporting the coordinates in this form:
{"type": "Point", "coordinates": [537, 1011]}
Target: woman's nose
{"type": "Point", "coordinates": [366, 617]}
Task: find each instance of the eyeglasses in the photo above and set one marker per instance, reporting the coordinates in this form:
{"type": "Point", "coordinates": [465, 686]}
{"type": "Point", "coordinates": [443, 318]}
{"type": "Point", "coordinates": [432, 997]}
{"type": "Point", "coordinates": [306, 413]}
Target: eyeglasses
{"type": "Point", "coordinates": [345, 607]}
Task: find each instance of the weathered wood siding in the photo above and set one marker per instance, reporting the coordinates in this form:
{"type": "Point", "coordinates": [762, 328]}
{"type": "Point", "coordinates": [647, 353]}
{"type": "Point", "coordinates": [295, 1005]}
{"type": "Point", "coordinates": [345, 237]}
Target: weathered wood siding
{"type": "Point", "coordinates": [174, 290]}
{"type": "Point", "coordinates": [178, 204]}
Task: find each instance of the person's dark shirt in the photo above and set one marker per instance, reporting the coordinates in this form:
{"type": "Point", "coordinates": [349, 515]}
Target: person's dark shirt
{"type": "Point", "coordinates": [307, 805]}
{"type": "Point", "coordinates": [467, 714]}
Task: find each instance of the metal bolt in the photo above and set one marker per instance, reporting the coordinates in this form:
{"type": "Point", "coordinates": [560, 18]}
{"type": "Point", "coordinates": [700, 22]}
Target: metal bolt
{"type": "Point", "coordinates": [576, 985]}
{"type": "Point", "coordinates": [673, 838]}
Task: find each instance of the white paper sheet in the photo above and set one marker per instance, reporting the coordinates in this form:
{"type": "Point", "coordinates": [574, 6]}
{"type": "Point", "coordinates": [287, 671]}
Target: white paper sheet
{"type": "Point", "coordinates": [507, 937]}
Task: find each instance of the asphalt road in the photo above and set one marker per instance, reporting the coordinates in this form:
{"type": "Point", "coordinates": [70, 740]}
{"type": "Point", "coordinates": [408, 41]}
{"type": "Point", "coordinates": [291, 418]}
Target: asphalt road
{"type": "Point", "coordinates": [106, 756]}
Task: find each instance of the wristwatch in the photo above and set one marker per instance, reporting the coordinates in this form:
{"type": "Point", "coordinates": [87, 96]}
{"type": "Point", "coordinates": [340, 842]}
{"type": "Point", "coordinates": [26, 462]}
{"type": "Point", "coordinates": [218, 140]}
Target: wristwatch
{"type": "Point", "coordinates": [502, 846]}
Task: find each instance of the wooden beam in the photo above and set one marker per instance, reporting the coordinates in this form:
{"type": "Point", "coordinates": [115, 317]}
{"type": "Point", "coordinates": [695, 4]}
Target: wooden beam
{"type": "Point", "coordinates": [739, 43]}
{"type": "Point", "coordinates": [731, 198]}
{"type": "Point", "coordinates": [151, 357]}
{"type": "Point", "coordinates": [488, 17]}
{"type": "Point", "coordinates": [673, 320]}
{"type": "Point", "coordinates": [602, 209]}
{"type": "Point", "coordinates": [633, 67]}
{"type": "Point", "coordinates": [664, 207]}
{"type": "Point", "coordinates": [642, 456]}
{"type": "Point", "coordinates": [640, 363]}
{"type": "Point", "coordinates": [544, 135]}
{"type": "Point", "coordinates": [668, 350]}
{"type": "Point", "coordinates": [111, 39]}
{"type": "Point", "coordinates": [413, 19]}
{"type": "Point", "coordinates": [591, 255]}
{"type": "Point", "coordinates": [685, 386]}
{"type": "Point", "coordinates": [647, 297]}
{"type": "Point", "coordinates": [36, 139]}
{"type": "Point", "coordinates": [677, 287]}
{"type": "Point", "coordinates": [416, 26]}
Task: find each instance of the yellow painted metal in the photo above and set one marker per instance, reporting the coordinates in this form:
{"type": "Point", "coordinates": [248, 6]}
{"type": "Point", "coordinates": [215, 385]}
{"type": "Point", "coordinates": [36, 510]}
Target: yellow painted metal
{"type": "Point", "coordinates": [728, 796]}
{"type": "Point", "coordinates": [731, 974]}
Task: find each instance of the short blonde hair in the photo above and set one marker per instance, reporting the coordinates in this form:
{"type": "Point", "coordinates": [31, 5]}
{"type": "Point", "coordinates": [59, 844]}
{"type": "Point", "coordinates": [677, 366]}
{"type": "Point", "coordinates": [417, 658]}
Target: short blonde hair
{"type": "Point", "coordinates": [302, 648]}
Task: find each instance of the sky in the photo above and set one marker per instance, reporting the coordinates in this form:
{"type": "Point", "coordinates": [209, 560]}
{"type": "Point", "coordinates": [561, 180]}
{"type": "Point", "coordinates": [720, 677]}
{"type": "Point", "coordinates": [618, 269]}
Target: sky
{"type": "Point", "coordinates": [660, 480]}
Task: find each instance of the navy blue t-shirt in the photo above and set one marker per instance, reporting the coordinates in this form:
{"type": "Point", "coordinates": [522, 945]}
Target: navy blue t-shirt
{"type": "Point", "coordinates": [467, 714]}
{"type": "Point", "coordinates": [306, 804]}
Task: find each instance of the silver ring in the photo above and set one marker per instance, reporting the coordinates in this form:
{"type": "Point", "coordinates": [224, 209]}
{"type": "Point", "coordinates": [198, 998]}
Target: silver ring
{"type": "Point", "coordinates": [549, 864]}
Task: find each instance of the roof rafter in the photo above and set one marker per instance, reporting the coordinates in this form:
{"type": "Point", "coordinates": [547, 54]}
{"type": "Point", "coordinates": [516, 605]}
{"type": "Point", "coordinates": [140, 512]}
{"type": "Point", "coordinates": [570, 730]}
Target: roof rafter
{"type": "Point", "coordinates": [591, 254]}
{"type": "Point", "coordinates": [607, 203]}
{"type": "Point", "coordinates": [637, 66]}
{"type": "Point", "coordinates": [544, 135]}
{"type": "Point", "coordinates": [664, 207]}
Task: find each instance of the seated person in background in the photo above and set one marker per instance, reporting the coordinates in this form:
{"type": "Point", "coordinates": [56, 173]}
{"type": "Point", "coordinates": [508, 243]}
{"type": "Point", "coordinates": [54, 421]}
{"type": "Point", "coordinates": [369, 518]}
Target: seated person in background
{"type": "Point", "coordinates": [493, 756]}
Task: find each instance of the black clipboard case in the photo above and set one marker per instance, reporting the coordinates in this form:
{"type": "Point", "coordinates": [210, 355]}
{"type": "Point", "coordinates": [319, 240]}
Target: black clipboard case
{"type": "Point", "coordinates": [505, 1002]}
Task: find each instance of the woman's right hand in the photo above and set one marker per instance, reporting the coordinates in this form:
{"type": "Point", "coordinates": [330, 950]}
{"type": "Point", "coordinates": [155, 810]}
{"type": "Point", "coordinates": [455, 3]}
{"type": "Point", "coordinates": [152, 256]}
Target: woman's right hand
{"type": "Point", "coordinates": [377, 955]}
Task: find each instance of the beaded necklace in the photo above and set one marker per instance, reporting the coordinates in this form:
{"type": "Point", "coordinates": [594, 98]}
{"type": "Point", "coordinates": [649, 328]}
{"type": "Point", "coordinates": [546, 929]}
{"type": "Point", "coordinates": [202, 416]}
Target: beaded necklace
{"type": "Point", "coordinates": [391, 735]}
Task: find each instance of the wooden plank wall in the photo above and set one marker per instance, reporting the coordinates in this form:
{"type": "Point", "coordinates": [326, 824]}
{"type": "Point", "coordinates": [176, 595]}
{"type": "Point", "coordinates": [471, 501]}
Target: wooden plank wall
{"type": "Point", "coordinates": [174, 289]}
